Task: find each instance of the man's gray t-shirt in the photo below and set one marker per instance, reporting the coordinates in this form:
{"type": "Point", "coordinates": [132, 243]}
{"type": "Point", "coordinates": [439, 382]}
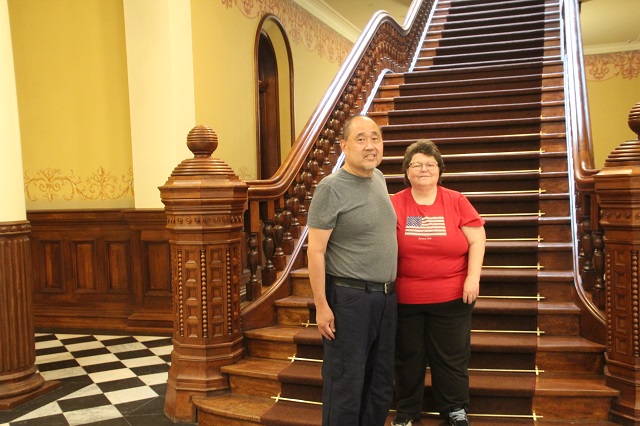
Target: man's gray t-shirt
{"type": "Point", "coordinates": [363, 243]}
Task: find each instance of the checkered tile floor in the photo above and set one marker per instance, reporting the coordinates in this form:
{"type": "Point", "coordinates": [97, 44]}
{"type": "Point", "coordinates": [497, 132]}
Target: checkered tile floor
{"type": "Point", "coordinates": [105, 380]}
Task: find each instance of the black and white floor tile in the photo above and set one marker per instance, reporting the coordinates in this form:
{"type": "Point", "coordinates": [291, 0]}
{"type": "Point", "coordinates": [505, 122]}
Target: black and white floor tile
{"type": "Point", "coordinates": [106, 380]}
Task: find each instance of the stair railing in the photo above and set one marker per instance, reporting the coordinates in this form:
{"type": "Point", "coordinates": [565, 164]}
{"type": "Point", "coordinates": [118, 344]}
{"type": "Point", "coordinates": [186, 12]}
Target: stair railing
{"type": "Point", "coordinates": [276, 216]}
{"type": "Point", "coordinates": [588, 246]}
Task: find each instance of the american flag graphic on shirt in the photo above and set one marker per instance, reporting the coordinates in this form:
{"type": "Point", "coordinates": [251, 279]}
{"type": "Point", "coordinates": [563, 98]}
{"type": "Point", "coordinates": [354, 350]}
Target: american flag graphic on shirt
{"type": "Point", "coordinates": [425, 226]}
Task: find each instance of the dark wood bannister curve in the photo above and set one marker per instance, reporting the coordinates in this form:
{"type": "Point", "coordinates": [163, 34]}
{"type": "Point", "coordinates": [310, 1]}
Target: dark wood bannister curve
{"type": "Point", "coordinates": [281, 201]}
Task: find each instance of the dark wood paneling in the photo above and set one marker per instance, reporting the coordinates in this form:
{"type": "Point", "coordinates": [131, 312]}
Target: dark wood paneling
{"type": "Point", "coordinates": [101, 270]}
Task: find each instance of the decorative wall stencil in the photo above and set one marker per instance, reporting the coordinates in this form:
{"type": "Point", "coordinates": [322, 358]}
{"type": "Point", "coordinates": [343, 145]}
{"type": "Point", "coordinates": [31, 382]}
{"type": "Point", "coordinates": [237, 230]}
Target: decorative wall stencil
{"type": "Point", "coordinates": [302, 27]}
{"type": "Point", "coordinates": [51, 183]}
{"type": "Point", "coordinates": [610, 65]}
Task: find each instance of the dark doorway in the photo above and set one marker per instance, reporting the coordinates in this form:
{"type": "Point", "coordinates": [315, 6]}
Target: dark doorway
{"type": "Point", "coordinates": [268, 109]}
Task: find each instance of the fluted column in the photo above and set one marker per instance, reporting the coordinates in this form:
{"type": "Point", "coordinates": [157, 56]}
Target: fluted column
{"type": "Point", "coordinates": [204, 203]}
{"type": "Point", "coordinates": [618, 190]}
{"type": "Point", "coordinates": [19, 380]}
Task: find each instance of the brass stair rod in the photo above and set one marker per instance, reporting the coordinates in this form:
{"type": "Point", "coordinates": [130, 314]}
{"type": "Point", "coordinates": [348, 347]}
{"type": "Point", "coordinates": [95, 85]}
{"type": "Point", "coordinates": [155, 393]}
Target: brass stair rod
{"type": "Point", "coordinates": [539, 213]}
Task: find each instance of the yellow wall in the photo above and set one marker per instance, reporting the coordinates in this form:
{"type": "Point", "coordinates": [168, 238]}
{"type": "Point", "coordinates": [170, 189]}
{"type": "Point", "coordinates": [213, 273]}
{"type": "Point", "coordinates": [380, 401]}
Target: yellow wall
{"type": "Point", "coordinates": [73, 96]}
{"type": "Point", "coordinates": [71, 79]}
{"type": "Point", "coordinates": [613, 88]}
{"type": "Point", "coordinates": [223, 43]}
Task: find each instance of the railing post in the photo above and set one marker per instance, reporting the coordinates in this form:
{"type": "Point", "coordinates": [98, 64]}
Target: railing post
{"type": "Point", "coordinates": [618, 189]}
{"type": "Point", "coordinates": [204, 203]}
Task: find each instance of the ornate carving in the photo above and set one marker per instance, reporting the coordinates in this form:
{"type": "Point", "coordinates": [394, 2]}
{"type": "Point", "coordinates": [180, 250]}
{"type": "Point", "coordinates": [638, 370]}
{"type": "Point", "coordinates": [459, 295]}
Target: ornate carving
{"type": "Point", "coordinates": [180, 291]}
{"type": "Point", "coordinates": [634, 300]}
{"type": "Point", "coordinates": [13, 228]}
{"type": "Point", "coordinates": [203, 293]}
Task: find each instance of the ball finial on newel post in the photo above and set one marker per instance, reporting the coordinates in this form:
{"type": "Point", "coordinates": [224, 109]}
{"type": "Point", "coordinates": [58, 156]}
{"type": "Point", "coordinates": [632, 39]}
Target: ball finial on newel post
{"type": "Point", "coordinates": [202, 141]}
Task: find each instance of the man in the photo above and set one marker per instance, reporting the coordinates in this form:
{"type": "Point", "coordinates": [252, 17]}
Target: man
{"type": "Point", "coordinates": [352, 255]}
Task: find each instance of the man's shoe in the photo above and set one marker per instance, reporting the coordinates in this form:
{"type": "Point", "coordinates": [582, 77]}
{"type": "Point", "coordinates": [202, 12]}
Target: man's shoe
{"type": "Point", "coordinates": [401, 421]}
{"type": "Point", "coordinates": [459, 418]}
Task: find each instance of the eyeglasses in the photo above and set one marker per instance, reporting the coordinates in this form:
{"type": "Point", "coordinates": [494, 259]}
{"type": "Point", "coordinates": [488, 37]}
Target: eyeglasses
{"type": "Point", "coordinates": [418, 166]}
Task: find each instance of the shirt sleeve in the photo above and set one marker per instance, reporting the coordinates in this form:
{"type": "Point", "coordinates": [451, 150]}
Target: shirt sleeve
{"type": "Point", "coordinates": [324, 208]}
{"type": "Point", "coordinates": [468, 214]}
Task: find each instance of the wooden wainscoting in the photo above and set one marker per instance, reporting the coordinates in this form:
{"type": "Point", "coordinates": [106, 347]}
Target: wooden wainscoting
{"type": "Point", "coordinates": [101, 270]}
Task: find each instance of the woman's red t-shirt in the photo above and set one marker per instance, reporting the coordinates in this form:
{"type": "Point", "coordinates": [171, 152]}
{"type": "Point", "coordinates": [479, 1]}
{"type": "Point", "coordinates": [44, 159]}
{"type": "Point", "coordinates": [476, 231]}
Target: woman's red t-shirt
{"type": "Point", "coordinates": [432, 250]}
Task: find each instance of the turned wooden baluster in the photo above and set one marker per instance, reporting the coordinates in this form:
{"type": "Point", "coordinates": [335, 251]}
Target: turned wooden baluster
{"type": "Point", "coordinates": [279, 257]}
{"type": "Point", "coordinates": [293, 206]}
{"type": "Point", "coordinates": [268, 248]}
{"type": "Point", "coordinates": [598, 291]}
{"type": "Point", "coordinates": [253, 286]}
{"type": "Point", "coordinates": [287, 238]}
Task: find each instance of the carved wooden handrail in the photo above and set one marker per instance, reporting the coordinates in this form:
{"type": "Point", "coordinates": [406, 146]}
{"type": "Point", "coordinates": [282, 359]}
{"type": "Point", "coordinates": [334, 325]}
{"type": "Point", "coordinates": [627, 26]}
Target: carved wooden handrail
{"type": "Point", "coordinates": [283, 199]}
{"type": "Point", "coordinates": [585, 213]}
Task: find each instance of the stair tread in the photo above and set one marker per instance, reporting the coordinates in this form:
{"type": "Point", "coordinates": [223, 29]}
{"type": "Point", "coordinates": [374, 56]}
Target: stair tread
{"type": "Point", "coordinates": [283, 333]}
{"type": "Point", "coordinates": [256, 367]}
{"type": "Point", "coordinates": [244, 407]}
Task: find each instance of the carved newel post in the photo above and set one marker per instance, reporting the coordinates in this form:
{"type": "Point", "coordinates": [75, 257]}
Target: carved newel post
{"type": "Point", "coordinates": [618, 190]}
{"type": "Point", "coordinates": [204, 203]}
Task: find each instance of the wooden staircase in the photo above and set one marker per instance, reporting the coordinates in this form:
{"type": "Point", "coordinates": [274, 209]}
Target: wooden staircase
{"type": "Point", "coordinates": [487, 88]}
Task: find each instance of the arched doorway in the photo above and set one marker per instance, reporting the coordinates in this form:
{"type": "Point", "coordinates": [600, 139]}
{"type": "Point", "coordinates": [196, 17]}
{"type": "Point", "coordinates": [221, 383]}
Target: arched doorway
{"type": "Point", "coordinates": [268, 109]}
{"type": "Point", "coordinates": [274, 97]}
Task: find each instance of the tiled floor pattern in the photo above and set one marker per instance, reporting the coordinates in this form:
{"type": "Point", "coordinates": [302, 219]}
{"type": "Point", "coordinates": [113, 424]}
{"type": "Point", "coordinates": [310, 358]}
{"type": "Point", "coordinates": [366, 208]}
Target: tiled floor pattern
{"type": "Point", "coordinates": [105, 381]}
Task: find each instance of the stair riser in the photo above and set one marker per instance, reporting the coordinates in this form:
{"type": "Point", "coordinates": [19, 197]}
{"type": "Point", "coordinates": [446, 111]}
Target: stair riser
{"type": "Point", "coordinates": [570, 362]}
{"type": "Point", "coordinates": [478, 73]}
{"type": "Point", "coordinates": [302, 287]}
{"type": "Point", "coordinates": [293, 316]}
{"type": "Point", "coordinates": [431, 116]}
{"type": "Point", "coordinates": [489, 129]}
{"type": "Point", "coordinates": [210, 419]}
{"type": "Point", "coordinates": [492, 288]}
{"type": "Point", "coordinates": [534, 34]}
{"type": "Point", "coordinates": [504, 322]}
{"type": "Point", "coordinates": [555, 233]}
{"type": "Point", "coordinates": [465, 100]}
{"type": "Point", "coordinates": [560, 407]}
{"type": "Point", "coordinates": [269, 349]}
{"type": "Point", "coordinates": [556, 260]}
{"type": "Point", "coordinates": [487, 47]}
{"type": "Point", "coordinates": [254, 386]}
{"type": "Point", "coordinates": [556, 292]}
{"type": "Point", "coordinates": [484, 57]}
{"type": "Point", "coordinates": [559, 325]}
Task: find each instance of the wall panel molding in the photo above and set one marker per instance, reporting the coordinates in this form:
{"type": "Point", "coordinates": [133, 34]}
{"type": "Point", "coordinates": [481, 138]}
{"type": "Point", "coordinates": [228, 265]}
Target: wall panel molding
{"type": "Point", "coordinates": [101, 270]}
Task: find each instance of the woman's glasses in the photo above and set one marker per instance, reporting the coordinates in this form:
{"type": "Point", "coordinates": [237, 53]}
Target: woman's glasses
{"type": "Point", "coordinates": [418, 166]}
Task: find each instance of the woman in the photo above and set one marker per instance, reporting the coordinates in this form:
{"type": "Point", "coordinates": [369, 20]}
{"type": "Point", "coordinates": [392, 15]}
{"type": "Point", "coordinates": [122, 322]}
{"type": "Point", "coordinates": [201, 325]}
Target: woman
{"type": "Point", "coordinates": [441, 242]}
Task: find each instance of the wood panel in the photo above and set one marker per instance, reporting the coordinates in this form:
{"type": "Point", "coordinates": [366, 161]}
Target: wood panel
{"type": "Point", "coordinates": [101, 270]}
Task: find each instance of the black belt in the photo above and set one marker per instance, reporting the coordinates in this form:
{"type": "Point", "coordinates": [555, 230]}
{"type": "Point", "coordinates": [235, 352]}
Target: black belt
{"type": "Point", "coordinates": [386, 288]}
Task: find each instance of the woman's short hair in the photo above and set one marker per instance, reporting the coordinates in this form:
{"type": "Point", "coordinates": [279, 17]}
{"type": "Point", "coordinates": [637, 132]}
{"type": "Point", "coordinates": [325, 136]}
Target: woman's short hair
{"type": "Point", "coordinates": [426, 147]}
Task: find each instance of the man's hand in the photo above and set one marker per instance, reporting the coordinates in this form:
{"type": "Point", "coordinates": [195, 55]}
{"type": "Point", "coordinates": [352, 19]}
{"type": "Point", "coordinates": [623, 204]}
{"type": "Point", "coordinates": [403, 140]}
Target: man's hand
{"type": "Point", "coordinates": [325, 321]}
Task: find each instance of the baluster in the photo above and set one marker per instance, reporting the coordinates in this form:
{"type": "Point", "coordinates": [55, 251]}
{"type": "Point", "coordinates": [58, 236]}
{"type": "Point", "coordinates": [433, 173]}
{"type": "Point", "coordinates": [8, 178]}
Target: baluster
{"type": "Point", "coordinates": [314, 171]}
{"type": "Point", "coordinates": [253, 286]}
{"type": "Point", "coordinates": [268, 248]}
{"type": "Point", "coordinates": [293, 205]}
{"type": "Point", "coordinates": [587, 247]}
{"type": "Point", "coordinates": [287, 238]}
{"type": "Point", "coordinates": [301, 195]}
{"type": "Point", "coordinates": [598, 293]}
{"type": "Point", "coordinates": [279, 257]}
{"type": "Point", "coordinates": [320, 158]}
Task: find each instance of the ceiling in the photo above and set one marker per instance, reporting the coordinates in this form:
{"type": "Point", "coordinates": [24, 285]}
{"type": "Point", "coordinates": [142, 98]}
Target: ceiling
{"type": "Point", "coordinates": [607, 25]}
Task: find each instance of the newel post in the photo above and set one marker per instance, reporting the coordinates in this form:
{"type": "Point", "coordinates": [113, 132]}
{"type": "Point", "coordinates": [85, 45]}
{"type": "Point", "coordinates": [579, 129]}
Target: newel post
{"type": "Point", "coordinates": [618, 190]}
{"type": "Point", "coordinates": [204, 203]}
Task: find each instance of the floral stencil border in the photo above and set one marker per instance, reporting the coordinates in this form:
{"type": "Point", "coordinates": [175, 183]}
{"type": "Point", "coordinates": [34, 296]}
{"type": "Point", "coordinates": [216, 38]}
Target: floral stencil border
{"type": "Point", "coordinates": [302, 27]}
{"type": "Point", "coordinates": [610, 65]}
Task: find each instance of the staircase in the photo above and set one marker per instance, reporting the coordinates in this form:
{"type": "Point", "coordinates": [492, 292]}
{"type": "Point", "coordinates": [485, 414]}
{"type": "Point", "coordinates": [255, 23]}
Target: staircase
{"type": "Point", "coordinates": [487, 88]}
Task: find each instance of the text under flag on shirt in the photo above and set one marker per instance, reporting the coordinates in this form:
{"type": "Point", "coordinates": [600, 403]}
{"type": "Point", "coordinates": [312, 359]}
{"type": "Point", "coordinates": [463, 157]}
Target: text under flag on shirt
{"type": "Point", "coordinates": [425, 226]}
